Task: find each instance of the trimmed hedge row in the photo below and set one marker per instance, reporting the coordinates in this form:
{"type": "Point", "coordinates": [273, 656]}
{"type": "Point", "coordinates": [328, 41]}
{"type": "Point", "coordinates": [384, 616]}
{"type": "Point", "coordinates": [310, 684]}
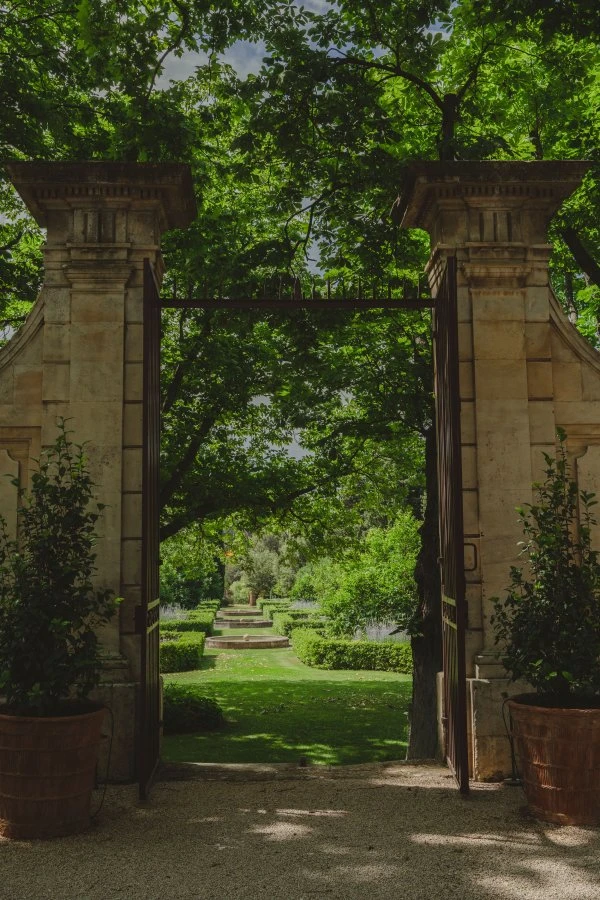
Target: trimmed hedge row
{"type": "Point", "coordinates": [202, 619]}
{"type": "Point", "coordinates": [309, 613]}
{"type": "Point", "coordinates": [208, 604]}
{"type": "Point", "coordinates": [336, 653]}
{"type": "Point", "coordinates": [169, 626]}
{"type": "Point", "coordinates": [185, 709]}
{"type": "Point", "coordinates": [284, 623]}
{"type": "Point", "coordinates": [269, 607]}
{"type": "Point", "coordinates": [182, 652]}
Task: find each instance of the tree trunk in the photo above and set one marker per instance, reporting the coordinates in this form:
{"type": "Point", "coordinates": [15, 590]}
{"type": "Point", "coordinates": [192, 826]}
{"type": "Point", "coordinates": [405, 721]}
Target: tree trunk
{"type": "Point", "coordinates": [427, 642]}
{"type": "Point", "coordinates": [583, 257]}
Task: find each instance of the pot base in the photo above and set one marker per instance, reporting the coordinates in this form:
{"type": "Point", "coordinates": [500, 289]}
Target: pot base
{"type": "Point", "coordinates": [558, 753]}
{"type": "Point", "coordinates": [47, 771]}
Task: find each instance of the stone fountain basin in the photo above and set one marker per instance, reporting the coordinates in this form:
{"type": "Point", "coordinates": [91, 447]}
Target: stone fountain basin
{"type": "Point", "coordinates": [235, 623]}
{"type": "Point", "coordinates": [251, 642]}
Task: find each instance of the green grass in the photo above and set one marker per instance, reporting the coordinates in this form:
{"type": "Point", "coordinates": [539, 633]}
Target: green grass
{"type": "Point", "coordinates": [279, 710]}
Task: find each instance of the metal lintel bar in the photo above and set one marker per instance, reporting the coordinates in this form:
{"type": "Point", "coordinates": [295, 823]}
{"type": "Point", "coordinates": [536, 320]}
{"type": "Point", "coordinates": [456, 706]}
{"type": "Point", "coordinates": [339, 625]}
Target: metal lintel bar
{"type": "Point", "coordinates": [351, 303]}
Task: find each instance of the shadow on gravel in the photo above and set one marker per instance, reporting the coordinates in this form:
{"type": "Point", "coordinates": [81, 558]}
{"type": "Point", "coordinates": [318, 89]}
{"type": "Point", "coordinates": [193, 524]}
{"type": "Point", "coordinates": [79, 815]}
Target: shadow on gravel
{"type": "Point", "coordinates": [394, 831]}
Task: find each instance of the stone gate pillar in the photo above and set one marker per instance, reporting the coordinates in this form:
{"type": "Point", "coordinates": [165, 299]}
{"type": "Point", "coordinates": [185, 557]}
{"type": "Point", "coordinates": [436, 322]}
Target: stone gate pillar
{"type": "Point", "coordinates": [494, 216]}
{"type": "Point", "coordinates": [80, 356]}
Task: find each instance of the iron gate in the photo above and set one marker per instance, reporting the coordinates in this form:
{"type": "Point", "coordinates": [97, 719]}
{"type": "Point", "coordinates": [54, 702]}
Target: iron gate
{"type": "Point", "coordinates": [454, 611]}
{"type": "Point", "coordinates": [450, 517]}
{"type": "Point", "coordinates": [149, 611]}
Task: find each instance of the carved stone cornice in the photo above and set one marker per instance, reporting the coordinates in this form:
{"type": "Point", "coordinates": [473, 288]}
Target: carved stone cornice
{"type": "Point", "coordinates": [486, 202]}
{"type": "Point", "coordinates": [104, 188]}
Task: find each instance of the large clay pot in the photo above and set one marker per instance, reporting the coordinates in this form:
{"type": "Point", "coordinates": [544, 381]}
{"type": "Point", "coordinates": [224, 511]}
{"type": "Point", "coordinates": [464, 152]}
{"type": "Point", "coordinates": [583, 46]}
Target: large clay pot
{"type": "Point", "coordinates": [558, 756]}
{"type": "Point", "coordinates": [47, 773]}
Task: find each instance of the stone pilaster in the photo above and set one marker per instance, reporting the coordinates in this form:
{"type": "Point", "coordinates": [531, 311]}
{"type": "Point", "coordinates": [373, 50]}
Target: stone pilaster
{"type": "Point", "coordinates": [494, 216]}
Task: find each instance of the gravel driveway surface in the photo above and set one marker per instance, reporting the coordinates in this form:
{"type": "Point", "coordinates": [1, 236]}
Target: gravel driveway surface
{"type": "Point", "coordinates": [284, 833]}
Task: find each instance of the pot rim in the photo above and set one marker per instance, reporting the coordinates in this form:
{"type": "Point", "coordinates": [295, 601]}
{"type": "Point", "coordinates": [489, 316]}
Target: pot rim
{"type": "Point", "coordinates": [94, 709]}
{"type": "Point", "coordinates": [528, 700]}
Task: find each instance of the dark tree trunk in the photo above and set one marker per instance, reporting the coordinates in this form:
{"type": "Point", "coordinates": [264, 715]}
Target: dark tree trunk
{"type": "Point", "coordinates": [427, 642]}
{"type": "Point", "coordinates": [582, 255]}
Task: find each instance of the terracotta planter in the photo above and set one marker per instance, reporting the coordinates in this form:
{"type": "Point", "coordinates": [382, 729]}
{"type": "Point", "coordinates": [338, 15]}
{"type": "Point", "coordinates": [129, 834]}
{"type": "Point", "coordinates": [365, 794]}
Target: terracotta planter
{"type": "Point", "coordinates": [558, 756]}
{"type": "Point", "coordinates": [47, 771]}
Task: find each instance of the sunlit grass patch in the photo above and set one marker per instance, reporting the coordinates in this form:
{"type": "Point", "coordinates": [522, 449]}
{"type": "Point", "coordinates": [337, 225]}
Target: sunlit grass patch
{"type": "Point", "coordinates": [279, 710]}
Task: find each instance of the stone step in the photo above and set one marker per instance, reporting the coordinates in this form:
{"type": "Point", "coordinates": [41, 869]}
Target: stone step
{"type": "Point", "coordinates": [251, 611]}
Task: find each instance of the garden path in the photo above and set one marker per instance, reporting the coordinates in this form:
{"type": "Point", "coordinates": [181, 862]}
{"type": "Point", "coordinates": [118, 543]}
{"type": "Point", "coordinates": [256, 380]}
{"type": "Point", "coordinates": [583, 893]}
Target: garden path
{"type": "Point", "coordinates": [282, 833]}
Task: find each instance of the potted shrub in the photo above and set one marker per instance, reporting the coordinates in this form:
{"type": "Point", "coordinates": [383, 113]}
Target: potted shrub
{"type": "Point", "coordinates": [49, 654]}
{"type": "Point", "coordinates": [548, 627]}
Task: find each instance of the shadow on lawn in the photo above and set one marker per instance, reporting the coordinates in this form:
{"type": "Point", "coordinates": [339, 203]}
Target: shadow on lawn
{"type": "Point", "coordinates": [323, 722]}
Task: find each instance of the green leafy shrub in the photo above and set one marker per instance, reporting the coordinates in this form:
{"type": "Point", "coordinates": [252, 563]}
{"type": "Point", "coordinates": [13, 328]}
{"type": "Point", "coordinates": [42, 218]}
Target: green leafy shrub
{"type": "Point", "coordinates": [284, 623]}
{"type": "Point", "coordinates": [201, 620]}
{"type": "Point", "coordinates": [269, 607]}
{"type": "Point", "coordinates": [50, 609]}
{"type": "Point", "coordinates": [190, 570]}
{"type": "Point", "coordinates": [304, 587]}
{"type": "Point", "coordinates": [336, 653]}
{"type": "Point", "coordinates": [185, 709]}
{"type": "Point", "coordinates": [548, 625]}
{"type": "Point", "coordinates": [373, 584]}
{"type": "Point", "coordinates": [181, 651]}
{"type": "Point", "coordinates": [208, 604]}
{"type": "Point", "coordinates": [168, 626]}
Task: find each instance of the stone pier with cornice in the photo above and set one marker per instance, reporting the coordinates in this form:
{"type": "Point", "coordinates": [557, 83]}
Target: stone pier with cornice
{"type": "Point", "coordinates": [524, 371]}
{"type": "Point", "coordinates": [79, 356]}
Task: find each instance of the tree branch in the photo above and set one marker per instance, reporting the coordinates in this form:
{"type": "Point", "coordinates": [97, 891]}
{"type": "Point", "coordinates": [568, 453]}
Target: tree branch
{"type": "Point", "coordinates": [396, 70]}
{"type": "Point", "coordinates": [581, 254]}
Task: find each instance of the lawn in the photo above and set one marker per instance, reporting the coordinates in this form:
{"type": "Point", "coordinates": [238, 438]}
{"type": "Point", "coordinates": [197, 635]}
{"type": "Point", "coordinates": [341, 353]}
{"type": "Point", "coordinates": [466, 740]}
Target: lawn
{"type": "Point", "coordinates": [279, 710]}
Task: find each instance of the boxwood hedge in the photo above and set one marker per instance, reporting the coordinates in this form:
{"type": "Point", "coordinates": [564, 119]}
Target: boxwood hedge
{"type": "Point", "coordinates": [185, 709]}
{"type": "Point", "coordinates": [209, 604]}
{"type": "Point", "coordinates": [202, 625]}
{"type": "Point", "coordinates": [181, 651]}
{"type": "Point", "coordinates": [284, 623]}
{"type": "Point", "coordinates": [323, 652]}
{"type": "Point", "coordinates": [268, 607]}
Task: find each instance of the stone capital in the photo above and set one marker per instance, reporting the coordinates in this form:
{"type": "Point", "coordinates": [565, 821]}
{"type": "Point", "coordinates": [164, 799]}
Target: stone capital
{"type": "Point", "coordinates": [96, 205]}
{"type": "Point", "coordinates": [493, 204]}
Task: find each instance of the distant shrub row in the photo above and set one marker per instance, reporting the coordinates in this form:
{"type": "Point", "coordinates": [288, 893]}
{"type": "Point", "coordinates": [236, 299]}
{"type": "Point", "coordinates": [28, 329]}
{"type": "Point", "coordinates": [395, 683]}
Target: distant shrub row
{"type": "Point", "coordinates": [182, 651]}
{"type": "Point", "coordinates": [185, 709]}
{"type": "Point", "coordinates": [209, 604]}
{"type": "Point", "coordinates": [196, 620]}
{"type": "Point", "coordinates": [269, 607]}
{"type": "Point", "coordinates": [323, 652]}
{"type": "Point", "coordinates": [284, 622]}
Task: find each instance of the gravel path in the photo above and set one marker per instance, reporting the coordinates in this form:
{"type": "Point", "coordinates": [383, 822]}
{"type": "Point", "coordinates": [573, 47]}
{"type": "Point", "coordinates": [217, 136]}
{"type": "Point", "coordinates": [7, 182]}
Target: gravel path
{"type": "Point", "coordinates": [281, 833]}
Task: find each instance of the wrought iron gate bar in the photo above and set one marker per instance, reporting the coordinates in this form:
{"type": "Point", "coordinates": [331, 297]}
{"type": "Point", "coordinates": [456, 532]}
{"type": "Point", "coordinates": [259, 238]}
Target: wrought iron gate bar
{"type": "Point", "coordinates": [147, 623]}
{"type": "Point", "coordinates": [352, 303]}
{"type": "Point", "coordinates": [451, 525]}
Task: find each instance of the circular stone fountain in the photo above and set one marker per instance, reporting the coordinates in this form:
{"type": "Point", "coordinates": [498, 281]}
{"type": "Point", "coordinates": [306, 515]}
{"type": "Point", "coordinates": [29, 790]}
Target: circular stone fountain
{"type": "Point", "coordinates": [248, 642]}
{"type": "Point", "coordinates": [247, 623]}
